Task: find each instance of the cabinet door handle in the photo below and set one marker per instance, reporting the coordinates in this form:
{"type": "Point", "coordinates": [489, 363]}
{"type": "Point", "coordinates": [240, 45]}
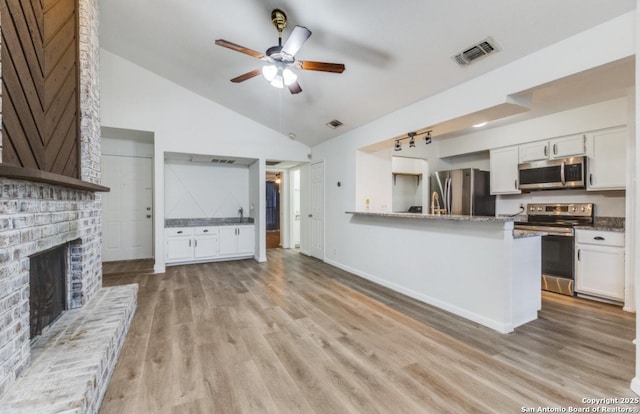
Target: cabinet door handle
{"type": "Point", "coordinates": [195, 243]}
{"type": "Point", "coordinates": [515, 183]}
{"type": "Point", "coordinates": [179, 232]}
{"type": "Point", "coordinates": [205, 231]}
{"type": "Point", "coordinates": [578, 254]}
{"type": "Point", "coordinates": [590, 179]}
{"type": "Point", "coordinates": [555, 149]}
{"type": "Point", "coordinates": [546, 151]}
{"type": "Point", "coordinates": [189, 242]}
{"type": "Point", "coordinates": [598, 238]}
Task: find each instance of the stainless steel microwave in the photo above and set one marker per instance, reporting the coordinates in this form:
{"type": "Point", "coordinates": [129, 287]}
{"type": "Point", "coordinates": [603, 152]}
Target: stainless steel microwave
{"type": "Point", "coordinates": [553, 174]}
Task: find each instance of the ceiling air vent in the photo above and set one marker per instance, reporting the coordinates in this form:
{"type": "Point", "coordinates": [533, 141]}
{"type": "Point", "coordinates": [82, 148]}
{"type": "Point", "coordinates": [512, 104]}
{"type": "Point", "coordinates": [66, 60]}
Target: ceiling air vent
{"type": "Point", "coordinates": [334, 124]}
{"type": "Point", "coordinates": [477, 51]}
{"type": "Point", "coordinates": [220, 161]}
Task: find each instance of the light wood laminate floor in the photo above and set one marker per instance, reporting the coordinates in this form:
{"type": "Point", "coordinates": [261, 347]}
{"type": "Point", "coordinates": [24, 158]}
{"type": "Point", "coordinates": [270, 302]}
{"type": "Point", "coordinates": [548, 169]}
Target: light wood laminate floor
{"type": "Point", "coordinates": [295, 335]}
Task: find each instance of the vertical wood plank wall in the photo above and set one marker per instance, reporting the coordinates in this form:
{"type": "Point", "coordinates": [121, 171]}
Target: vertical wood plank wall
{"type": "Point", "coordinates": [40, 85]}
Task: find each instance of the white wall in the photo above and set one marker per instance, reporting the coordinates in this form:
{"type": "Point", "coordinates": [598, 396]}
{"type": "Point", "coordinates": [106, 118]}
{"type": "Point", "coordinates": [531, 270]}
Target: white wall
{"type": "Point", "coordinates": [611, 41]}
{"type": "Point", "coordinates": [183, 122]}
{"type": "Point", "coordinates": [198, 190]}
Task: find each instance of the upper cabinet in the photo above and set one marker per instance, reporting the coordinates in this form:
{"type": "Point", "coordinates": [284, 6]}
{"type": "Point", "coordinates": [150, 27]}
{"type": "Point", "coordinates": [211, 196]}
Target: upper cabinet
{"type": "Point", "coordinates": [562, 147]}
{"type": "Point", "coordinates": [503, 170]}
{"type": "Point", "coordinates": [405, 165]}
{"type": "Point", "coordinates": [607, 163]}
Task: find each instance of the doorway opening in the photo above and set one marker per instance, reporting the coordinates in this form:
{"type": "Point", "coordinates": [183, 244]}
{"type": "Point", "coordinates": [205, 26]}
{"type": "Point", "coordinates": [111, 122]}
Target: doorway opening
{"type": "Point", "coordinates": [272, 205]}
{"type": "Point", "coordinates": [127, 210]}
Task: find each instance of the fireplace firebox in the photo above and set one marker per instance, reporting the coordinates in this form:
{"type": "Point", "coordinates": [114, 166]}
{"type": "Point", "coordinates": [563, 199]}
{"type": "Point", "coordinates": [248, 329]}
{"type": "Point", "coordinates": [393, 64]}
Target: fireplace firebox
{"type": "Point", "coordinates": [47, 278]}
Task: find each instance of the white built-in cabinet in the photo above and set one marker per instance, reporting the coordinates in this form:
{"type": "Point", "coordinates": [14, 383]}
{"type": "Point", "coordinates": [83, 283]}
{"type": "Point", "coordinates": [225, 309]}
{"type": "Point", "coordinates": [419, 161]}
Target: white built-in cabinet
{"type": "Point", "coordinates": [605, 151]}
{"type": "Point", "coordinates": [561, 147]}
{"type": "Point", "coordinates": [599, 264]}
{"type": "Point", "coordinates": [198, 244]}
{"type": "Point", "coordinates": [237, 240]}
{"type": "Point", "coordinates": [503, 170]}
{"type": "Point", "coordinates": [607, 163]}
{"type": "Point", "coordinates": [406, 165]}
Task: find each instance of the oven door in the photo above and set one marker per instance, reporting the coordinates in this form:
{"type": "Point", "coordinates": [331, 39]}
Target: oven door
{"type": "Point", "coordinates": [557, 264]}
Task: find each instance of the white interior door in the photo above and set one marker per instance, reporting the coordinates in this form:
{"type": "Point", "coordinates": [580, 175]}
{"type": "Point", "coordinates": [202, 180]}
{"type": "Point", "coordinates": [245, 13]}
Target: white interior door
{"type": "Point", "coordinates": [316, 217]}
{"type": "Point", "coordinates": [126, 209]}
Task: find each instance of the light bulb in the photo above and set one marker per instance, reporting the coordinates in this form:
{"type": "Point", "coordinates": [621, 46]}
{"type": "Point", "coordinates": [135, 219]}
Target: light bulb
{"type": "Point", "coordinates": [269, 72]}
{"type": "Point", "coordinates": [289, 77]}
{"type": "Point", "coordinates": [277, 82]}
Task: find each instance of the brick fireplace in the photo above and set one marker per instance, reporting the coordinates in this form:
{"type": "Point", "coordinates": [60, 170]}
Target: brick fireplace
{"type": "Point", "coordinates": [37, 216]}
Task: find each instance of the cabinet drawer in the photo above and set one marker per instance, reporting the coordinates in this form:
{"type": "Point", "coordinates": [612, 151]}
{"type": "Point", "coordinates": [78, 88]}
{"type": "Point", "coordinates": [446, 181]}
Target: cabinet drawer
{"type": "Point", "coordinates": [603, 238]}
{"type": "Point", "coordinates": [178, 231]}
{"type": "Point", "coordinates": [206, 231]}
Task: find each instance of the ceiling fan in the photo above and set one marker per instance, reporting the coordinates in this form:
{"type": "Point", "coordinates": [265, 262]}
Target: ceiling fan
{"type": "Point", "coordinates": [281, 59]}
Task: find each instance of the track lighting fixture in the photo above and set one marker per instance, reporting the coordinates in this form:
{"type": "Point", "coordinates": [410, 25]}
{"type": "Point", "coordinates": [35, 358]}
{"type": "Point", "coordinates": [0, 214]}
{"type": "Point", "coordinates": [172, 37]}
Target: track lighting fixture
{"type": "Point", "coordinates": [412, 140]}
{"type": "Point", "coordinates": [411, 136]}
{"type": "Point", "coordinates": [427, 138]}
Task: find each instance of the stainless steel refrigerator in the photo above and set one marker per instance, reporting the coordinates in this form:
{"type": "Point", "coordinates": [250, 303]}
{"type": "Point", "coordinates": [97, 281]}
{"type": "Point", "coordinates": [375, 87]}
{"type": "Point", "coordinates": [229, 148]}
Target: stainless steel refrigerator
{"type": "Point", "coordinates": [462, 192]}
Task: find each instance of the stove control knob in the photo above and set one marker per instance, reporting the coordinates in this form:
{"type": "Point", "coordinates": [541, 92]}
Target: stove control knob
{"type": "Point", "coordinates": [583, 209]}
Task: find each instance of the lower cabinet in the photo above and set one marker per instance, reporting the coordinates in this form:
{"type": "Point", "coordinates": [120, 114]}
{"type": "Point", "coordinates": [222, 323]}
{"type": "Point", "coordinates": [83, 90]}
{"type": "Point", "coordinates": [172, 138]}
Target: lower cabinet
{"type": "Point", "coordinates": [237, 240]}
{"type": "Point", "coordinates": [599, 264]}
{"type": "Point", "coordinates": [198, 244]}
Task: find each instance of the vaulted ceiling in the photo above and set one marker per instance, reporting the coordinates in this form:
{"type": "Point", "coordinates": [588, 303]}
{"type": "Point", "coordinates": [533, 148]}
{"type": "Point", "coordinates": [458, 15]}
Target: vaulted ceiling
{"type": "Point", "coordinates": [395, 52]}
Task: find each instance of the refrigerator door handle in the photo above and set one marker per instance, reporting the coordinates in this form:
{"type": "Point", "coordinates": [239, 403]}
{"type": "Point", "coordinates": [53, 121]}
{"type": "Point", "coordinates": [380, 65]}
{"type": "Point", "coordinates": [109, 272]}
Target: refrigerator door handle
{"type": "Point", "coordinates": [445, 195]}
{"type": "Point", "coordinates": [447, 190]}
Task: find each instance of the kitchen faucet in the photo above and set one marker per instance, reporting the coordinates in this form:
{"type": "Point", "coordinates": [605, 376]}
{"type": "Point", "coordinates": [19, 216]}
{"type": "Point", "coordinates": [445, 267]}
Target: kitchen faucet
{"type": "Point", "coordinates": [241, 212]}
{"type": "Point", "coordinates": [435, 203]}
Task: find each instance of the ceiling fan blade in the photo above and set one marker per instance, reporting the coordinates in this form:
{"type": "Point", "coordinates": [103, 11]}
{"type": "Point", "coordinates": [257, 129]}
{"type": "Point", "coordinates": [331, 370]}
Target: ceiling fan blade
{"type": "Point", "coordinates": [321, 66]}
{"type": "Point", "coordinates": [295, 88]}
{"type": "Point", "coordinates": [296, 39]}
{"type": "Point", "coordinates": [238, 48]}
{"type": "Point", "coordinates": [246, 76]}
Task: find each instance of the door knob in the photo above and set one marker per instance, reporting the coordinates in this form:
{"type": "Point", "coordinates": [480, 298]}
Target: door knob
{"type": "Point", "coordinates": [148, 208]}
{"type": "Point", "coordinates": [310, 215]}
{"type": "Point", "coordinates": [148, 215]}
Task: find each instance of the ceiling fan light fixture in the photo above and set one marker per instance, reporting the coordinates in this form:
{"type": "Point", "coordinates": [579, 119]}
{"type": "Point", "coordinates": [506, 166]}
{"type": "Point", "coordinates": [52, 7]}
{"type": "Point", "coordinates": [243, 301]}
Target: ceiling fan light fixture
{"type": "Point", "coordinates": [289, 77]}
{"type": "Point", "coordinates": [277, 82]}
{"type": "Point", "coordinates": [269, 72]}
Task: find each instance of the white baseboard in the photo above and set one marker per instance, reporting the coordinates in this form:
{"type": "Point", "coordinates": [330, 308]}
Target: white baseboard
{"type": "Point", "coordinates": [503, 328]}
{"type": "Point", "coordinates": [159, 268]}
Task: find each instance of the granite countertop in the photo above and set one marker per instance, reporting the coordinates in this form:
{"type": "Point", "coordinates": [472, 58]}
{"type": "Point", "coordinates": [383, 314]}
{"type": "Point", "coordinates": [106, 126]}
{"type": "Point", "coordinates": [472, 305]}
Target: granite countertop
{"type": "Point", "coordinates": [605, 224]}
{"type": "Point", "coordinates": [201, 222]}
{"type": "Point", "coordinates": [435, 216]}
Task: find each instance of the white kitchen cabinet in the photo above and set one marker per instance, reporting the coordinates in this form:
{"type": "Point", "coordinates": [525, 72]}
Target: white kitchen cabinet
{"type": "Point", "coordinates": [205, 243]}
{"type": "Point", "coordinates": [503, 170]}
{"type": "Point", "coordinates": [406, 165]}
{"type": "Point", "coordinates": [561, 147]}
{"type": "Point", "coordinates": [599, 264]}
{"type": "Point", "coordinates": [607, 163]}
{"type": "Point", "coordinates": [533, 151]}
{"type": "Point", "coordinates": [179, 244]}
{"type": "Point", "coordinates": [237, 240]}
{"type": "Point", "coordinates": [187, 244]}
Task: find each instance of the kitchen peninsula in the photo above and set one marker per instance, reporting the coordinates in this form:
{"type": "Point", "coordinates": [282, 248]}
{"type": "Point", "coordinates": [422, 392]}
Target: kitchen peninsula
{"type": "Point", "coordinates": [472, 266]}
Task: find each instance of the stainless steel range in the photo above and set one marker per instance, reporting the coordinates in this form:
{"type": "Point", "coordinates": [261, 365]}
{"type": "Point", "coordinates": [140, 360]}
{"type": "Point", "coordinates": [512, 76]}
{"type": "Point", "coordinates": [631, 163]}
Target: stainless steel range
{"type": "Point", "coordinates": [558, 221]}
